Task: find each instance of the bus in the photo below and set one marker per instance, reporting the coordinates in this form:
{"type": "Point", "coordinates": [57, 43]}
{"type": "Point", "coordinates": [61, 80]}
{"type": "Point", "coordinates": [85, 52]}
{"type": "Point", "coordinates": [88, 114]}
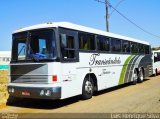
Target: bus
{"type": "Point", "coordinates": [156, 62]}
{"type": "Point", "coordinates": [58, 60]}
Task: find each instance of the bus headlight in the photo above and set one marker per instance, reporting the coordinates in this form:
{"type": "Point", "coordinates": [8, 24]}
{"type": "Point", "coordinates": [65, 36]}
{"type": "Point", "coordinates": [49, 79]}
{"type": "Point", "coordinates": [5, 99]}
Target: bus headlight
{"type": "Point", "coordinates": [9, 90]}
{"type": "Point", "coordinates": [48, 93]}
{"type": "Point", "coordinates": [12, 90]}
{"type": "Point", "coordinates": [42, 93]}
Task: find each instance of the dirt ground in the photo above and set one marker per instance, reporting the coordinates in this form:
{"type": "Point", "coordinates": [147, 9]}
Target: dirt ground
{"type": "Point", "coordinates": [141, 98]}
{"type": "Point", "coordinates": [3, 87]}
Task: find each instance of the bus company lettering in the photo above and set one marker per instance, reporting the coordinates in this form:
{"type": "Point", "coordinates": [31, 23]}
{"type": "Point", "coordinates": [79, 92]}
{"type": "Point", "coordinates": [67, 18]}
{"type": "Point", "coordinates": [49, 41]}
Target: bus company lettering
{"type": "Point", "coordinates": [95, 61]}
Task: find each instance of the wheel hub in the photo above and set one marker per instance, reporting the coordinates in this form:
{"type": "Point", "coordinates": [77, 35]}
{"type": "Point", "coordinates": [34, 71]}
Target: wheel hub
{"type": "Point", "coordinates": [88, 87]}
{"type": "Point", "coordinates": [135, 76]}
{"type": "Point", "coordinates": [141, 76]}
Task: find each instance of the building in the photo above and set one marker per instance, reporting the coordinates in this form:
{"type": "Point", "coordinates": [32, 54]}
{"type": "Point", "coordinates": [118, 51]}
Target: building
{"type": "Point", "coordinates": [5, 57]}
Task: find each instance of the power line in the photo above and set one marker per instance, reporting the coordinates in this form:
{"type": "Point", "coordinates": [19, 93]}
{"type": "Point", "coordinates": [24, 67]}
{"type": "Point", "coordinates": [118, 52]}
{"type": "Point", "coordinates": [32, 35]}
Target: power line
{"type": "Point", "coordinates": [146, 31]}
{"type": "Point", "coordinates": [116, 7]}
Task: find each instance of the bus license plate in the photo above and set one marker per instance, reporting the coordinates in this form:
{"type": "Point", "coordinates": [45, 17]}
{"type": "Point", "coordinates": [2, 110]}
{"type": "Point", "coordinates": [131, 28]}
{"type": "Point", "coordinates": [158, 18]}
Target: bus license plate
{"type": "Point", "coordinates": [26, 93]}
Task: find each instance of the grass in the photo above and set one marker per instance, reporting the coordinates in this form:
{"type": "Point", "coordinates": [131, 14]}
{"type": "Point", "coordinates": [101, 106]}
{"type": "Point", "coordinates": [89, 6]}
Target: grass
{"type": "Point", "coordinates": [3, 87]}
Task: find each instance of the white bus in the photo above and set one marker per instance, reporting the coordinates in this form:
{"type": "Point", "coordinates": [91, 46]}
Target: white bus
{"type": "Point", "coordinates": [60, 60]}
{"type": "Point", "coordinates": [156, 62]}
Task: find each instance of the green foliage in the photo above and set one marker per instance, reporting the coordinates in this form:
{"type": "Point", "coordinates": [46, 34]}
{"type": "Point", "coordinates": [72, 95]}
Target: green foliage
{"type": "Point", "coordinates": [156, 48]}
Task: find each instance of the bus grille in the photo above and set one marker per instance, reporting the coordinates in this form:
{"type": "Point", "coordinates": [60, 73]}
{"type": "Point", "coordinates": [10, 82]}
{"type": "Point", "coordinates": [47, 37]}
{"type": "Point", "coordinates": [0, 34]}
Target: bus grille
{"type": "Point", "coordinates": [33, 73]}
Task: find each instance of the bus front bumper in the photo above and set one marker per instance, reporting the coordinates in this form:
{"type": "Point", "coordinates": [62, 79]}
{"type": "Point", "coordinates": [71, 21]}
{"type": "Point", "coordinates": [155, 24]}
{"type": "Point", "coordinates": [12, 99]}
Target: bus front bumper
{"type": "Point", "coordinates": [35, 92]}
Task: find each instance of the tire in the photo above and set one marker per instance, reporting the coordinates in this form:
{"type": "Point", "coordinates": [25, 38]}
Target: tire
{"type": "Point", "coordinates": [87, 88]}
{"type": "Point", "coordinates": [135, 77]}
{"type": "Point", "coordinates": [156, 72]}
{"type": "Point", "coordinates": [140, 76]}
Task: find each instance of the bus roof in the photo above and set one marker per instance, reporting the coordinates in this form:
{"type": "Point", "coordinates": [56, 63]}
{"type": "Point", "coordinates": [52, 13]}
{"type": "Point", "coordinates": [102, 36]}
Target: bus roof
{"type": "Point", "coordinates": [79, 28]}
{"type": "Point", "coordinates": [156, 51]}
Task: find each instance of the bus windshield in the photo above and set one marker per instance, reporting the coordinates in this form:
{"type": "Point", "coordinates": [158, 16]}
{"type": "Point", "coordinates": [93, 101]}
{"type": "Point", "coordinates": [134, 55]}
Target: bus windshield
{"type": "Point", "coordinates": [37, 45]}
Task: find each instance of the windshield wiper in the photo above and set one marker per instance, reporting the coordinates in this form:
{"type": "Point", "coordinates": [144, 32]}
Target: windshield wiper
{"type": "Point", "coordinates": [21, 50]}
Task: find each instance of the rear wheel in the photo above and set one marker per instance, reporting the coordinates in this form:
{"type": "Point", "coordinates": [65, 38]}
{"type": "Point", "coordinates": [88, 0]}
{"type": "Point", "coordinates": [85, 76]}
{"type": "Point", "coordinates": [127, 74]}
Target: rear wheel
{"type": "Point", "coordinates": [141, 76]}
{"type": "Point", "coordinates": [135, 77]}
{"type": "Point", "coordinates": [87, 89]}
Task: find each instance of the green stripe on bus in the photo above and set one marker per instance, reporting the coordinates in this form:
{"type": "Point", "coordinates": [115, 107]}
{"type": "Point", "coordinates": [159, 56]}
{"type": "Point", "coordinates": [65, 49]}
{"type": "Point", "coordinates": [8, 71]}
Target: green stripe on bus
{"type": "Point", "coordinates": [4, 67]}
{"type": "Point", "coordinates": [123, 72]}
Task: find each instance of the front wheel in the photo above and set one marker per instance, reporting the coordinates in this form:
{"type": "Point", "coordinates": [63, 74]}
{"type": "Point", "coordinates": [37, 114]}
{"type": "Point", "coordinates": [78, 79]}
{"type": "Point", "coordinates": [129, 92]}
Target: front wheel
{"type": "Point", "coordinates": [87, 89]}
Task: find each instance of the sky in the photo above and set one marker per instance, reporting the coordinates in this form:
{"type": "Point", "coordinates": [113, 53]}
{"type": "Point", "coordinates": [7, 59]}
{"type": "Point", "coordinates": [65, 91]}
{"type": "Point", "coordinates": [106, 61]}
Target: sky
{"type": "Point", "coordinates": [16, 14]}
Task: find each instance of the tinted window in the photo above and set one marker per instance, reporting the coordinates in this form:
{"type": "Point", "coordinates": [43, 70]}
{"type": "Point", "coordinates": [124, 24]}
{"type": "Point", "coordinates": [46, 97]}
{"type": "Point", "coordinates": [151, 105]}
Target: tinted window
{"type": "Point", "coordinates": [41, 45]}
{"type": "Point", "coordinates": [141, 48]}
{"type": "Point", "coordinates": [67, 41]}
{"type": "Point", "coordinates": [103, 43]}
{"type": "Point", "coordinates": [126, 46]}
{"type": "Point", "coordinates": [37, 45]}
{"type": "Point", "coordinates": [116, 45]}
{"type": "Point", "coordinates": [134, 47]}
{"type": "Point", "coordinates": [86, 41]}
{"type": "Point", "coordinates": [67, 46]}
{"type": "Point", "coordinates": [156, 56]}
{"type": "Point", "coordinates": [147, 49]}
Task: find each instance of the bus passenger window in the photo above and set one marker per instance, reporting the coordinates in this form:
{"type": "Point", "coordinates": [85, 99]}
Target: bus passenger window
{"type": "Point", "coordinates": [141, 48]}
{"type": "Point", "coordinates": [126, 46]}
{"type": "Point", "coordinates": [116, 45]}
{"type": "Point", "coordinates": [86, 41]}
{"type": "Point", "coordinates": [147, 49]}
{"type": "Point", "coordinates": [134, 48]}
{"type": "Point", "coordinates": [103, 43]}
{"type": "Point", "coordinates": [67, 46]}
{"type": "Point", "coordinates": [156, 57]}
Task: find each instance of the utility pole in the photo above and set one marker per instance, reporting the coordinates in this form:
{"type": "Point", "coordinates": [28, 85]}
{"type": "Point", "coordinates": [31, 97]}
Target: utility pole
{"type": "Point", "coordinates": [107, 16]}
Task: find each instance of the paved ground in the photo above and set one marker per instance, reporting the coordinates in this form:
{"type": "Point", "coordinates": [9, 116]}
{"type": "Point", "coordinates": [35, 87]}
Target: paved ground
{"type": "Point", "coordinates": [141, 98]}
